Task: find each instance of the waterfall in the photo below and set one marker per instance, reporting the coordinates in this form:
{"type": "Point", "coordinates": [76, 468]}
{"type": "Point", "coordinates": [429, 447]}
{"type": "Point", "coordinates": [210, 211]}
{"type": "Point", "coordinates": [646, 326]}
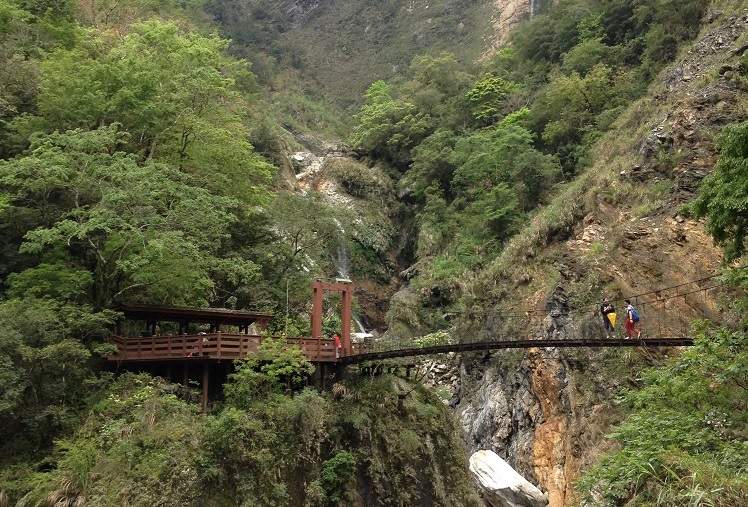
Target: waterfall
{"type": "Point", "coordinates": [341, 261]}
{"type": "Point", "coordinates": [359, 324]}
{"type": "Point", "coordinates": [534, 7]}
{"type": "Point", "coordinates": [342, 265]}
{"type": "Point", "coordinates": [361, 333]}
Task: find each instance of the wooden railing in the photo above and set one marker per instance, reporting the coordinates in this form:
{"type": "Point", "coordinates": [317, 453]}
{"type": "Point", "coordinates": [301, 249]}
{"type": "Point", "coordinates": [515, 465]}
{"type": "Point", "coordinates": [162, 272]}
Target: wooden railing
{"type": "Point", "coordinates": [209, 346]}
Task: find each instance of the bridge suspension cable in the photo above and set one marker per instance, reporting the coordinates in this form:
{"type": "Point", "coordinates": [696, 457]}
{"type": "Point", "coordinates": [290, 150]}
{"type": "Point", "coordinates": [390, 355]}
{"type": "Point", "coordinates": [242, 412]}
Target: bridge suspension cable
{"type": "Point", "coordinates": [633, 297]}
{"type": "Point", "coordinates": [512, 330]}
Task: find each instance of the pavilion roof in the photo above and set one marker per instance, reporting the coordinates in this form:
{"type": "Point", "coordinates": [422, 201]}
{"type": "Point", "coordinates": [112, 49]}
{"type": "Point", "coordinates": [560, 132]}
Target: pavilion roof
{"type": "Point", "coordinates": [192, 315]}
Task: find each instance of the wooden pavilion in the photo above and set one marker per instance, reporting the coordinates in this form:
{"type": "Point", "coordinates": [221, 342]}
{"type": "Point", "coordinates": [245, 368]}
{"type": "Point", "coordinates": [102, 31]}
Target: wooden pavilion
{"type": "Point", "coordinates": [212, 338]}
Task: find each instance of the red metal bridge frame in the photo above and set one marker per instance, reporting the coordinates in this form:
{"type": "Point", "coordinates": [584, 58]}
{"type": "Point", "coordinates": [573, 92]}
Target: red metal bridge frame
{"type": "Point", "coordinates": [345, 288]}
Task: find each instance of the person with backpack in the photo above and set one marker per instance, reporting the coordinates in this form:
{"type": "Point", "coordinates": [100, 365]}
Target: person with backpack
{"type": "Point", "coordinates": [608, 311]}
{"type": "Point", "coordinates": [632, 321]}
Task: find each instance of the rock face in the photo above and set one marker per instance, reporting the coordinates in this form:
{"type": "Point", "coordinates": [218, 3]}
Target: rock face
{"type": "Point", "coordinates": [532, 411]}
{"type": "Point", "coordinates": [501, 485]}
{"type": "Point", "coordinates": [298, 10]}
{"type": "Point", "coordinates": [508, 14]}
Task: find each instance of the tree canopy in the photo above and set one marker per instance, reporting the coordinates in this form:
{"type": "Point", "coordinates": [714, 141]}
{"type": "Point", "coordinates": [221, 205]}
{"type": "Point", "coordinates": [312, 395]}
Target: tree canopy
{"type": "Point", "coordinates": [723, 197]}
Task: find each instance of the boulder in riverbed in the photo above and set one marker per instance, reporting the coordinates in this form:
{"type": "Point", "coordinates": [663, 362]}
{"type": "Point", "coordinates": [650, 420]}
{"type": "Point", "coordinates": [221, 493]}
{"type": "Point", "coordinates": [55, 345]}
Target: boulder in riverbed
{"type": "Point", "coordinates": [501, 485]}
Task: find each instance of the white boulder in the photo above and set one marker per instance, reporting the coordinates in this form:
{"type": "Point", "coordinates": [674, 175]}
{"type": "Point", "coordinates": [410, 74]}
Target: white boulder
{"type": "Point", "coordinates": [501, 485]}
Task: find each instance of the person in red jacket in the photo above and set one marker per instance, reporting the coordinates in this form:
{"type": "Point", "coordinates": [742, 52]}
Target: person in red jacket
{"type": "Point", "coordinates": [338, 345]}
{"type": "Point", "coordinates": [632, 321]}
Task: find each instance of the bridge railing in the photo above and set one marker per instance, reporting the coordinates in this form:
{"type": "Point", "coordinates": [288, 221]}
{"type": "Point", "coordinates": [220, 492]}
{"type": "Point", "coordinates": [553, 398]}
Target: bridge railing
{"type": "Point", "coordinates": [209, 346]}
{"type": "Point", "coordinates": [665, 313]}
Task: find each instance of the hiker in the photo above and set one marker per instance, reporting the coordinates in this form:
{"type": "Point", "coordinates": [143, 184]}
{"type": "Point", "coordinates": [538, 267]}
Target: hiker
{"type": "Point", "coordinates": [632, 321]}
{"type": "Point", "coordinates": [608, 311]}
{"type": "Point", "coordinates": [196, 348]}
{"type": "Point", "coordinates": [338, 345]}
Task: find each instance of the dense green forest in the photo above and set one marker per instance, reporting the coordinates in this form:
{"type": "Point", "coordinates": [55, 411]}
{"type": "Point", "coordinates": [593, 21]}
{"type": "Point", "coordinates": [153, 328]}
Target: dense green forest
{"type": "Point", "coordinates": [139, 164]}
{"type": "Point", "coordinates": [534, 110]}
{"type": "Point", "coordinates": [129, 174]}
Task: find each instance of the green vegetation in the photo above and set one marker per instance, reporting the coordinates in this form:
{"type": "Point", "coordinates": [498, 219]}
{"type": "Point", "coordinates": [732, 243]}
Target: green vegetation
{"type": "Point", "coordinates": [47, 366]}
{"type": "Point", "coordinates": [683, 440]}
{"type": "Point", "coordinates": [479, 149]}
{"type": "Point", "coordinates": [141, 444]}
{"type": "Point", "coordinates": [724, 193]}
{"type": "Point", "coordinates": [126, 175]}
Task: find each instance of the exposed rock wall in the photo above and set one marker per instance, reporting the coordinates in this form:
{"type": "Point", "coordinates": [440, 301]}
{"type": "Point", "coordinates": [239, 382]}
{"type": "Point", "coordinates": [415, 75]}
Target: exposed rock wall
{"type": "Point", "coordinates": [531, 410]}
{"type": "Point", "coordinates": [508, 13]}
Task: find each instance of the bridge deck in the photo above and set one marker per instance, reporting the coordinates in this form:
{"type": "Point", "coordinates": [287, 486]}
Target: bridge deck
{"type": "Point", "coordinates": [224, 346]}
{"type": "Point", "coordinates": [516, 344]}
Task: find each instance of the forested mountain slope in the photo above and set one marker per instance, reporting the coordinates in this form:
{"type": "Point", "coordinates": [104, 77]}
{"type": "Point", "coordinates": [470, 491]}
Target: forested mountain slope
{"type": "Point", "coordinates": [459, 173]}
{"type": "Point", "coordinates": [333, 49]}
{"type": "Point", "coordinates": [132, 171]}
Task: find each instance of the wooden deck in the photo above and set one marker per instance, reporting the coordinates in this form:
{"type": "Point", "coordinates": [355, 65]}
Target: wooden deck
{"type": "Point", "coordinates": [213, 346]}
{"type": "Point", "coordinates": [226, 346]}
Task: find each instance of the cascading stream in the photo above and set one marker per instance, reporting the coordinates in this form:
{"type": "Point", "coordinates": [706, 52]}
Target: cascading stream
{"type": "Point", "coordinates": [342, 263]}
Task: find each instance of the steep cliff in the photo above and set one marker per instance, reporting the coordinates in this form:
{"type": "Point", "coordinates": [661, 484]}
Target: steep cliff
{"type": "Point", "coordinates": [506, 15]}
{"type": "Point", "coordinates": [615, 230]}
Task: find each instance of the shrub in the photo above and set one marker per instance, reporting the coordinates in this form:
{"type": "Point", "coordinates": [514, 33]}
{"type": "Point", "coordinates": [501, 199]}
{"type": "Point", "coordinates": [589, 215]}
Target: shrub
{"type": "Point", "coordinates": [683, 442]}
{"type": "Point", "coordinates": [723, 197]}
{"type": "Point", "coordinates": [357, 179]}
{"type": "Point", "coordinates": [274, 366]}
{"type": "Point", "coordinates": [337, 476]}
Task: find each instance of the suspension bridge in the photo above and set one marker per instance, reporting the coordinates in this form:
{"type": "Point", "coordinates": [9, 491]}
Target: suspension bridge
{"type": "Point", "coordinates": [168, 336]}
{"type": "Point", "coordinates": [662, 324]}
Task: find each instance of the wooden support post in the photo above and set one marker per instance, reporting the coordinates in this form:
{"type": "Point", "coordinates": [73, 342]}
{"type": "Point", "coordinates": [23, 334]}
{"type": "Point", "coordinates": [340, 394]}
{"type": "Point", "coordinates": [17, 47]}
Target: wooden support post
{"type": "Point", "coordinates": [168, 371]}
{"type": "Point", "coordinates": [186, 373]}
{"type": "Point", "coordinates": [347, 317]}
{"type": "Point", "coordinates": [206, 378]}
{"type": "Point", "coordinates": [317, 301]}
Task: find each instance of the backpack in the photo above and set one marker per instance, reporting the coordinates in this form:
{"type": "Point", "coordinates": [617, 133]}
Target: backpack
{"type": "Point", "coordinates": [634, 314]}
